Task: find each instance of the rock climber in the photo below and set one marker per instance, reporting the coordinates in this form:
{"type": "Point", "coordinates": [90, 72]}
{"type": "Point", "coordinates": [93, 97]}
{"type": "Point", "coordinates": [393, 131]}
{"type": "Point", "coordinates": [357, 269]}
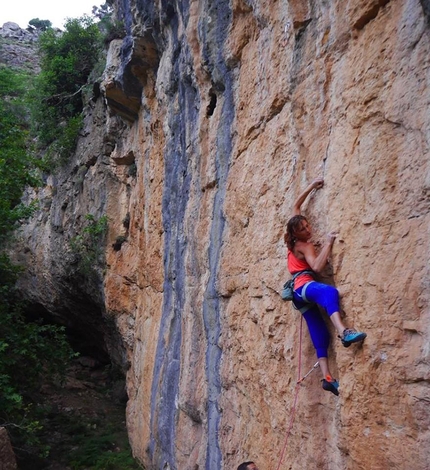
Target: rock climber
{"type": "Point", "coordinates": [308, 293]}
{"type": "Point", "coordinates": [247, 466]}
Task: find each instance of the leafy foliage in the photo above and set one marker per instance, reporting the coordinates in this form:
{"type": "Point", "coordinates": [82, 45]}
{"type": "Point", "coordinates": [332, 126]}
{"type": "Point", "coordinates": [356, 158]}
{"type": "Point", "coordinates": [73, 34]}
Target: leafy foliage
{"type": "Point", "coordinates": [92, 436]}
{"type": "Point", "coordinates": [41, 25]}
{"type": "Point", "coordinates": [62, 148]}
{"type": "Point", "coordinates": [28, 350]}
{"type": "Point", "coordinates": [110, 27]}
{"type": "Point", "coordinates": [113, 29]}
{"type": "Point", "coordinates": [105, 450]}
{"type": "Point", "coordinates": [16, 163]}
{"type": "Point", "coordinates": [67, 60]}
{"type": "Point", "coordinates": [87, 246]}
{"type": "Point", "coordinates": [33, 351]}
{"type": "Point", "coordinates": [102, 11]}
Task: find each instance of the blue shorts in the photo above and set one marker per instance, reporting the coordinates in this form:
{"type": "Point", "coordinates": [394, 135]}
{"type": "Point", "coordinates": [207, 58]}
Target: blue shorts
{"type": "Point", "coordinates": [327, 297]}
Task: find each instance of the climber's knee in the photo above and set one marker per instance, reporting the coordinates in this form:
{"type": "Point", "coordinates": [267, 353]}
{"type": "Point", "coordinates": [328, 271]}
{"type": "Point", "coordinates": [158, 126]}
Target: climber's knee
{"type": "Point", "coordinates": [325, 295]}
{"type": "Point", "coordinates": [332, 300]}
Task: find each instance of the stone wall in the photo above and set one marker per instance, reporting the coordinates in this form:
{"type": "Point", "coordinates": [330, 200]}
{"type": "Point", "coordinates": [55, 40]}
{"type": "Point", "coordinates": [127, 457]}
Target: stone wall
{"type": "Point", "coordinates": [226, 111]}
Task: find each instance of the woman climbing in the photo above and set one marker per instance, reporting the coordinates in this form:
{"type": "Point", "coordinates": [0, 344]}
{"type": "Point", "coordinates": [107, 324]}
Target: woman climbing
{"type": "Point", "coordinates": [308, 293]}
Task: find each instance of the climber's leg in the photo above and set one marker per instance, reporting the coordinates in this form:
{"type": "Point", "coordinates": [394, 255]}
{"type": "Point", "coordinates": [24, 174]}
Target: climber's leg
{"type": "Point", "coordinates": [318, 331]}
{"type": "Point", "coordinates": [337, 322]}
{"type": "Point", "coordinates": [320, 337]}
{"type": "Point", "coordinates": [323, 362]}
{"type": "Point", "coordinates": [328, 297]}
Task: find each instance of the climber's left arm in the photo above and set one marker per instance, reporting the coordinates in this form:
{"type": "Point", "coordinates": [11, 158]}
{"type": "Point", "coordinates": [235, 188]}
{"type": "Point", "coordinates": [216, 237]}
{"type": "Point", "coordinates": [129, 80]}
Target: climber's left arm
{"type": "Point", "coordinates": [316, 184]}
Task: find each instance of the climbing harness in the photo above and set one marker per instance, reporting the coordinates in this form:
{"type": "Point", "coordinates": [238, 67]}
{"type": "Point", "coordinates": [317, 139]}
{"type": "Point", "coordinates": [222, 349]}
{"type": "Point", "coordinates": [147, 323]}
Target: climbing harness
{"type": "Point", "coordinates": [287, 292]}
{"type": "Point", "coordinates": [303, 293]}
{"type": "Point", "coordinates": [296, 392]}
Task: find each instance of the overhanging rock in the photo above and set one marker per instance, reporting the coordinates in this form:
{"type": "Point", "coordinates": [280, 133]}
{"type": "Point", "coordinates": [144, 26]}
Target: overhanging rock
{"type": "Point", "coordinates": [129, 62]}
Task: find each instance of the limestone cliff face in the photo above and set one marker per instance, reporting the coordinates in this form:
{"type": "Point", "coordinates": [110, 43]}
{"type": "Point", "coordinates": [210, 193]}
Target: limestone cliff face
{"type": "Point", "coordinates": [212, 117]}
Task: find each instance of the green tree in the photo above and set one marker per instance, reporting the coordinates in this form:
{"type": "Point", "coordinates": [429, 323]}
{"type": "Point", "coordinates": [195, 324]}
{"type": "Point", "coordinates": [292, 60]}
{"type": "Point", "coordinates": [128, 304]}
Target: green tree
{"type": "Point", "coordinates": [102, 11]}
{"type": "Point", "coordinates": [41, 25]}
{"type": "Point", "coordinates": [109, 27]}
{"type": "Point", "coordinates": [16, 163]}
{"type": "Point", "coordinates": [67, 60]}
{"type": "Point", "coordinates": [28, 350]}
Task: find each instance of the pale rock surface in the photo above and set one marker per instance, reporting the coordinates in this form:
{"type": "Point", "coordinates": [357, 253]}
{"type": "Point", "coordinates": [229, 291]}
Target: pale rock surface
{"type": "Point", "coordinates": [18, 47]}
{"type": "Point", "coordinates": [241, 104]}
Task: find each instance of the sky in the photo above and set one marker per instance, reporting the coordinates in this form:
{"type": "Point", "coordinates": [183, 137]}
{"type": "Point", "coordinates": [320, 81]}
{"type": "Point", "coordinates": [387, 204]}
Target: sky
{"type": "Point", "coordinates": [56, 11]}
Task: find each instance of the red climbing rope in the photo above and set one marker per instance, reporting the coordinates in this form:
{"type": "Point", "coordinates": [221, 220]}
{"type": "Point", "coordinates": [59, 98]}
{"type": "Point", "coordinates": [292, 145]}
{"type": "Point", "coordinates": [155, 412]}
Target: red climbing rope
{"type": "Point", "coordinates": [296, 392]}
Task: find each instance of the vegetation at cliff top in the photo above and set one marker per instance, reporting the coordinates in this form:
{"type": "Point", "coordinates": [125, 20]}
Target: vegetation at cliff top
{"type": "Point", "coordinates": [69, 61]}
{"type": "Point", "coordinates": [56, 100]}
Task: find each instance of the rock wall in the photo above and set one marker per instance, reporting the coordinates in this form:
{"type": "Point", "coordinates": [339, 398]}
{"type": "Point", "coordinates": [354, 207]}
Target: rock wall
{"type": "Point", "coordinates": [18, 47]}
{"type": "Point", "coordinates": [212, 117]}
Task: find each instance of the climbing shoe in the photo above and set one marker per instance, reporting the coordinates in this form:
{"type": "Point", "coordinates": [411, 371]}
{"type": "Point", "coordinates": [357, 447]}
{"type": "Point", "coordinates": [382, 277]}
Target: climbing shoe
{"type": "Point", "coordinates": [330, 385]}
{"type": "Point", "coordinates": [351, 336]}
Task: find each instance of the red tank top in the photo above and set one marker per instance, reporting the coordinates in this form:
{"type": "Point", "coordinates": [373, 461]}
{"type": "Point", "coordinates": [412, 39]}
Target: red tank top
{"type": "Point", "coordinates": [295, 265]}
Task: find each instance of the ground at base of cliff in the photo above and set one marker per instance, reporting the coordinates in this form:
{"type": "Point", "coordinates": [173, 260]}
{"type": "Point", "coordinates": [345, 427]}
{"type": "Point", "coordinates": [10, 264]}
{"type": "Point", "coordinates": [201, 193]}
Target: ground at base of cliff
{"type": "Point", "coordinates": [83, 422]}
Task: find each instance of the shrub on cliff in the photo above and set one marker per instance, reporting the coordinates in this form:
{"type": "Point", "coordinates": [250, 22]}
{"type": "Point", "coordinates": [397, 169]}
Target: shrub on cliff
{"type": "Point", "coordinates": [87, 246]}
